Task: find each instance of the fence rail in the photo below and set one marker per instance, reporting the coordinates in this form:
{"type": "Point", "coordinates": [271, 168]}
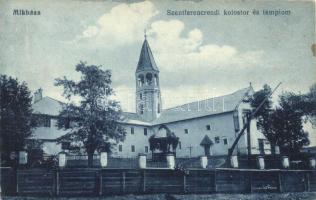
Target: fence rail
{"type": "Point", "coordinates": [98, 182]}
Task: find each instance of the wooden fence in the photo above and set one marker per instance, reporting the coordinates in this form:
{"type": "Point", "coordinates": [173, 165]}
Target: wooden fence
{"type": "Point", "coordinates": [100, 182]}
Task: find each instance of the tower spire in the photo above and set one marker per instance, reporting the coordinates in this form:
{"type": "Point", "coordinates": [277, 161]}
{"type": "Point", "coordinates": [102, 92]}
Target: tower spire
{"type": "Point", "coordinates": [146, 59]}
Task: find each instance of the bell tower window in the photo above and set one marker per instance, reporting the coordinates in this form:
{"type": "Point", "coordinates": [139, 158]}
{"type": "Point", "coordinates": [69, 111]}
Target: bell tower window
{"type": "Point", "coordinates": [156, 79]}
{"type": "Point", "coordinates": [149, 78]}
{"type": "Point", "coordinates": [140, 80]}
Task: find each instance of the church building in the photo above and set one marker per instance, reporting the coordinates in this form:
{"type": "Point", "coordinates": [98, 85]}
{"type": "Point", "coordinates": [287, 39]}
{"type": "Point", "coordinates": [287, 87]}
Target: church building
{"type": "Point", "coordinates": [206, 127]}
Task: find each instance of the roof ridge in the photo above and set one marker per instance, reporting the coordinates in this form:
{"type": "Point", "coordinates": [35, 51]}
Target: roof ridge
{"type": "Point", "coordinates": [55, 100]}
{"type": "Point", "coordinates": [209, 98]}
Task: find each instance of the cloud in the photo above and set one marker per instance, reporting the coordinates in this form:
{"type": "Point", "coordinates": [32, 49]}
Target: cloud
{"type": "Point", "coordinates": [123, 24]}
{"type": "Point", "coordinates": [176, 49]}
{"type": "Point", "coordinates": [177, 52]}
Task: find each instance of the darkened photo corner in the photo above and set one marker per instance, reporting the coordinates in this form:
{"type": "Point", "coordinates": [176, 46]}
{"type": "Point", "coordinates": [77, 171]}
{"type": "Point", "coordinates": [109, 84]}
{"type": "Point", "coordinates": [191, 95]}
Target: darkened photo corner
{"type": "Point", "coordinates": [162, 100]}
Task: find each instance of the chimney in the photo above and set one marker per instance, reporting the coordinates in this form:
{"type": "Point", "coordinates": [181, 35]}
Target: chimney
{"type": "Point", "coordinates": [38, 95]}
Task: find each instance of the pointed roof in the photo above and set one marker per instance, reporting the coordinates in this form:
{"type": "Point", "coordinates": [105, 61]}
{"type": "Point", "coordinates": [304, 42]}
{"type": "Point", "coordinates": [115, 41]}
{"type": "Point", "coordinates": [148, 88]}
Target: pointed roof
{"type": "Point", "coordinates": [206, 141]}
{"type": "Point", "coordinates": [146, 58]}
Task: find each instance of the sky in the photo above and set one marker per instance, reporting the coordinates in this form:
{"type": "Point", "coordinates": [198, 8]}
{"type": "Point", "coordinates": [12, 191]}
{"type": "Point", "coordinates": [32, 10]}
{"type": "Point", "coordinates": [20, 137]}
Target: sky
{"type": "Point", "coordinates": [199, 57]}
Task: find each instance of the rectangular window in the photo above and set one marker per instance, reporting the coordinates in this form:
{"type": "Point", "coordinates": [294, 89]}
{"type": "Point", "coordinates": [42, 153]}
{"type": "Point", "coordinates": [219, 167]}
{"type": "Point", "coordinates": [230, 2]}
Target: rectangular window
{"type": "Point", "coordinates": [158, 109]}
{"type": "Point", "coordinates": [217, 140]}
{"type": "Point", "coordinates": [132, 130]}
{"type": "Point", "coordinates": [141, 96]}
{"type": "Point", "coordinates": [145, 131]}
{"type": "Point", "coordinates": [47, 121]}
{"type": "Point", "coordinates": [141, 109]}
{"type": "Point", "coordinates": [179, 144]}
{"type": "Point", "coordinates": [225, 141]}
{"type": "Point", "coordinates": [133, 148]}
{"type": "Point", "coordinates": [120, 148]}
{"type": "Point", "coordinates": [208, 127]}
{"type": "Point", "coordinates": [146, 149]}
{"type": "Point", "coordinates": [186, 131]}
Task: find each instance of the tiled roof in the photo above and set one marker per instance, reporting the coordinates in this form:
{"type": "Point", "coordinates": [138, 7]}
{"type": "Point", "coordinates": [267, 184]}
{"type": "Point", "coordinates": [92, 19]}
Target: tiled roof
{"type": "Point", "coordinates": [202, 108]}
{"type": "Point", "coordinates": [133, 118]}
{"type": "Point", "coordinates": [47, 106]}
{"type": "Point", "coordinates": [217, 105]}
{"type": "Point", "coordinates": [146, 59]}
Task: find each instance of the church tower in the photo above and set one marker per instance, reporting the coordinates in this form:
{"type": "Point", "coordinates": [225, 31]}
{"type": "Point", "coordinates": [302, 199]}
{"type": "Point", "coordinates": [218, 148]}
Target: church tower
{"type": "Point", "coordinates": [148, 99]}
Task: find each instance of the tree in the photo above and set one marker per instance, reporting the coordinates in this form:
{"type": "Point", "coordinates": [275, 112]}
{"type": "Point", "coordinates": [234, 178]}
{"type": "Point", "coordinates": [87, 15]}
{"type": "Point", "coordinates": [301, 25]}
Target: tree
{"type": "Point", "coordinates": [16, 115]}
{"type": "Point", "coordinates": [95, 120]}
{"type": "Point", "coordinates": [287, 126]}
{"type": "Point", "coordinates": [263, 116]}
{"type": "Point", "coordinates": [283, 125]}
{"type": "Point", "coordinates": [305, 103]}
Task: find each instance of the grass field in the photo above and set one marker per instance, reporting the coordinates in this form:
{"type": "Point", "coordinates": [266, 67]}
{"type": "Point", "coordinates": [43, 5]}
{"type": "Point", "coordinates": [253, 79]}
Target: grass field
{"type": "Point", "coordinates": [276, 196]}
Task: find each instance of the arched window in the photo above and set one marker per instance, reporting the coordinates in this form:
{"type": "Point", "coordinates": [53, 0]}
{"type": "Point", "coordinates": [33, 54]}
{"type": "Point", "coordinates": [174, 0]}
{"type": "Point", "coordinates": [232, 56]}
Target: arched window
{"type": "Point", "coordinates": [149, 78]}
{"type": "Point", "coordinates": [140, 80]}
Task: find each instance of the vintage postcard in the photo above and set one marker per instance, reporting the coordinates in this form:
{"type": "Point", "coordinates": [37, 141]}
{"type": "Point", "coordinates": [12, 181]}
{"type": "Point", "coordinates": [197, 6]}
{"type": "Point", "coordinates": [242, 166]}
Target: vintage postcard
{"type": "Point", "coordinates": [148, 99]}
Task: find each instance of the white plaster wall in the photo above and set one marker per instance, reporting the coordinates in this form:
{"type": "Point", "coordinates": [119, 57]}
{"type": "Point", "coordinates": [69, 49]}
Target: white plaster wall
{"type": "Point", "coordinates": [138, 139]}
{"type": "Point", "coordinates": [222, 126]}
{"type": "Point", "coordinates": [51, 132]}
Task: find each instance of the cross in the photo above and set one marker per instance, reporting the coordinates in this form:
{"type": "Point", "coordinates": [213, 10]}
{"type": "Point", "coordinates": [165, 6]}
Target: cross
{"type": "Point", "coordinates": [145, 35]}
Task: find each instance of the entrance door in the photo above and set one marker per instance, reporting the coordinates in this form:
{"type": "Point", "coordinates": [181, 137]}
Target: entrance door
{"type": "Point", "coordinates": [207, 150]}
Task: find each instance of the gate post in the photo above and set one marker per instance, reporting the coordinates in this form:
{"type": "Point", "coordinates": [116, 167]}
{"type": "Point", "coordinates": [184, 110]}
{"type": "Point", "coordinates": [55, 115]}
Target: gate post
{"type": "Point", "coordinates": [234, 161]}
{"type": "Point", "coordinates": [285, 162]}
{"type": "Point", "coordinates": [142, 161]}
{"type": "Point", "coordinates": [260, 162]}
{"type": "Point", "coordinates": [62, 160]}
{"type": "Point", "coordinates": [203, 162]}
{"type": "Point", "coordinates": [170, 161]}
{"type": "Point", "coordinates": [104, 159]}
{"type": "Point", "coordinates": [312, 163]}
